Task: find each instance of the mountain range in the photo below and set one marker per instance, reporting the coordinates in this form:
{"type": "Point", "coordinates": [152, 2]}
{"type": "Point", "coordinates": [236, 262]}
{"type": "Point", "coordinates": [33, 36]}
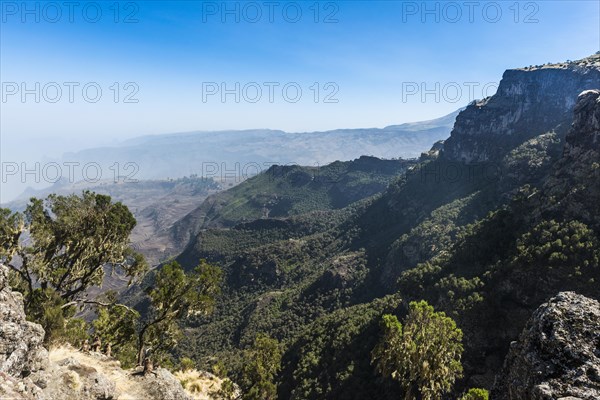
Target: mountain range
{"type": "Point", "coordinates": [498, 226]}
{"type": "Point", "coordinates": [246, 153]}
{"type": "Point", "coordinates": [486, 227]}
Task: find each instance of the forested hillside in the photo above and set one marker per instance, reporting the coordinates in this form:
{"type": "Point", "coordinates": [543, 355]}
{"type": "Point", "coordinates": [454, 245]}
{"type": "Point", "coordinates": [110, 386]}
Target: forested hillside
{"type": "Point", "coordinates": [486, 228]}
{"type": "Point", "coordinates": [362, 279]}
{"type": "Point", "coordinates": [289, 190]}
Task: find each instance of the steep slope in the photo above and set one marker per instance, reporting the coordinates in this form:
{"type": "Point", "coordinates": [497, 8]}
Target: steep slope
{"type": "Point", "coordinates": [284, 191]}
{"type": "Point", "coordinates": [487, 143]}
{"type": "Point", "coordinates": [576, 181]}
{"type": "Point", "coordinates": [543, 241]}
{"type": "Point", "coordinates": [486, 239]}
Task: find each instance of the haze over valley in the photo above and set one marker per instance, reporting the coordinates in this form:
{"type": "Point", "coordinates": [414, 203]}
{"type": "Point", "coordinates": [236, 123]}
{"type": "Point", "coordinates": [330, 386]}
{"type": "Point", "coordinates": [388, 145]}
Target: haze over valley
{"type": "Point", "coordinates": [275, 250]}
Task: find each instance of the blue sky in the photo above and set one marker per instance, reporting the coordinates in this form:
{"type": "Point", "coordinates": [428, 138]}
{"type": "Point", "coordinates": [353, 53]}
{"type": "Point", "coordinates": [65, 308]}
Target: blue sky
{"type": "Point", "coordinates": [363, 56]}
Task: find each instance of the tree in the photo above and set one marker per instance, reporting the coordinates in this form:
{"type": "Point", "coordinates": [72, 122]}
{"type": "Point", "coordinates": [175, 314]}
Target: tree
{"type": "Point", "coordinates": [11, 227]}
{"type": "Point", "coordinates": [227, 391]}
{"type": "Point", "coordinates": [117, 324]}
{"type": "Point", "coordinates": [423, 355]}
{"type": "Point", "coordinates": [60, 247]}
{"type": "Point", "coordinates": [71, 240]}
{"type": "Point", "coordinates": [186, 364]}
{"type": "Point", "coordinates": [476, 394]}
{"type": "Point", "coordinates": [173, 296]}
{"type": "Point", "coordinates": [262, 363]}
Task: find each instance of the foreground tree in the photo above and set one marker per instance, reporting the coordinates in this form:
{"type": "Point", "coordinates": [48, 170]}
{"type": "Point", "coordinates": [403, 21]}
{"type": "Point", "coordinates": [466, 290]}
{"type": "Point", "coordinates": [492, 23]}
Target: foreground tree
{"type": "Point", "coordinates": [423, 355]}
{"type": "Point", "coordinates": [148, 335]}
{"type": "Point", "coordinates": [116, 324]}
{"type": "Point", "coordinates": [71, 240]}
{"type": "Point", "coordinates": [173, 296]}
{"type": "Point", "coordinates": [261, 364]}
{"type": "Point", "coordinates": [60, 247]}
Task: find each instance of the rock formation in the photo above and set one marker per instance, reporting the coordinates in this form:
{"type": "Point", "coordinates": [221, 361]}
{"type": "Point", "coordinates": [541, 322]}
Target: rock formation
{"type": "Point", "coordinates": [21, 350]}
{"type": "Point", "coordinates": [558, 354]}
{"type": "Point", "coordinates": [585, 131]}
{"type": "Point", "coordinates": [529, 102]}
{"type": "Point", "coordinates": [74, 375]}
{"type": "Point", "coordinates": [575, 185]}
{"type": "Point", "coordinates": [70, 379]}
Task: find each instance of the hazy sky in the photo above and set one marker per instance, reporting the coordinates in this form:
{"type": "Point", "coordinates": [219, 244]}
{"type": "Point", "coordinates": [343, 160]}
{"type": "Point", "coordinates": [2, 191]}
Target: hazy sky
{"type": "Point", "coordinates": [162, 66]}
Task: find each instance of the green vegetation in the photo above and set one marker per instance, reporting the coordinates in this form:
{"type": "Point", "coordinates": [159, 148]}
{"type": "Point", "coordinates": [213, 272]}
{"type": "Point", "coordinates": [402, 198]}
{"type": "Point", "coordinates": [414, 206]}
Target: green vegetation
{"type": "Point", "coordinates": [284, 191]}
{"type": "Point", "coordinates": [156, 331]}
{"type": "Point", "coordinates": [331, 357]}
{"type": "Point", "coordinates": [423, 355]}
{"type": "Point", "coordinates": [486, 248]}
{"type": "Point", "coordinates": [71, 241]}
{"type": "Point", "coordinates": [320, 265]}
{"type": "Point", "coordinates": [173, 296]}
{"type": "Point", "coordinates": [476, 394]}
{"type": "Point", "coordinates": [186, 364]}
{"type": "Point", "coordinates": [117, 324]}
{"type": "Point", "coordinates": [262, 363]}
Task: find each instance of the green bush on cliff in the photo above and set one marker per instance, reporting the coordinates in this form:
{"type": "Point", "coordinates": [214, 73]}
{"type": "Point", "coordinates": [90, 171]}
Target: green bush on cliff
{"type": "Point", "coordinates": [423, 355]}
{"type": "Point", "coordinates": [476, 394]}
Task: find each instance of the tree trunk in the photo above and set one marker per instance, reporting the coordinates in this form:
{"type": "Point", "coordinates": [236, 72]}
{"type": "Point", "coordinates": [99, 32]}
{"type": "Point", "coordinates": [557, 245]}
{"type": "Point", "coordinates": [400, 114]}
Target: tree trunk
{"type": "Point", "coordinates": [141, 346]}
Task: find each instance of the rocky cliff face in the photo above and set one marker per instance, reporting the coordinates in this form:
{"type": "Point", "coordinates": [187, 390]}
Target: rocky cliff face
{"type": "Point", "coordinates": [574, 188]}
{"type": "Point", "coordinates": [21, 350]}
{"type": "Point", "coordinates": [585, 131]}
{"type": "Point", "coordinates": [557, 355]}
{"type": "Point", "coordinates": [529, 102]}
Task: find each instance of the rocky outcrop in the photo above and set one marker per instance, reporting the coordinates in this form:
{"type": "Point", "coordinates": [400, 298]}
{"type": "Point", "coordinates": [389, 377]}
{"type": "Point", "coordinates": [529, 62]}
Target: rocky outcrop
{"type": "Point", "coordinates": [574, 188]}
{"type": "Point", "coordinates": [585, 131]}
{"type": "Point", "coordinates": [74, 375]}
{"type": "Point", "coordinates": [163, 385]}
{"type": "Point", "coordinates": [557, 355]}
{"type": "Point", "coordinates": [70, 379]}
{"type": "Point", "coordinates": [21, 350]}
{"type": "Point", "coordinates": [529, 102]}
{"type": "Point", "coordinates": [29, 372]}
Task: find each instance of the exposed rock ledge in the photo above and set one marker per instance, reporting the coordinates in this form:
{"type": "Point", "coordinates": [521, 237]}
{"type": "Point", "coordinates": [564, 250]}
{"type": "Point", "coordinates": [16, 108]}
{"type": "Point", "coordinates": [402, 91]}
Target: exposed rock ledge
{"type": "Point", "coordinates": [557, 355]}
{"type": "Point", "coordinates": [21, 350]}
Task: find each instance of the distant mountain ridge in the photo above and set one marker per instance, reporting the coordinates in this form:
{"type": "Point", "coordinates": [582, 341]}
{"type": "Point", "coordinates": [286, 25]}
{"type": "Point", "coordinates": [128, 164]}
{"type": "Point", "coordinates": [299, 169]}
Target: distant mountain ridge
{"type": "Point", "coordinates": [486, 227]}
{"type": "Point", "coordinates": [247, 152]}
